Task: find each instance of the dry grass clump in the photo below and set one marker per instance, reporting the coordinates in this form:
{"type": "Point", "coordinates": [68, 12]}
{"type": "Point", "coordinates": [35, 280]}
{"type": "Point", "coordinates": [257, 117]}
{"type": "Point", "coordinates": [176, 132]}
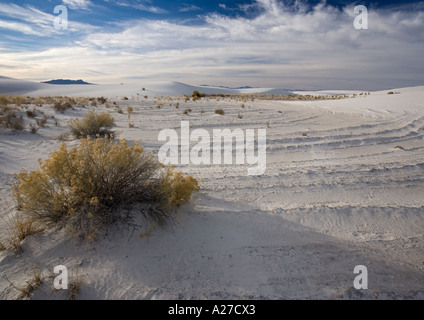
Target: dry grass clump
{"type": "Point", "coordinates": [4, 101]}
{"type": "Point", "coordinates": [12, 121]}
{"type": "Point", "coordinates": [30, 285]}
{"type": "Point", "coordinates": [19, 228]}
{"type": "Point", "coordinates": [220, 111]}
{"type": "Point", "coordinates": [85, 188]}
{"type": "Point", "coordinates": [31, 114]}
{"type": "Point", "coordinates": [74, 287]}
{"type": "Point", "coordinates": [92, 124]}
{"type": "Point", "coordinates": [187, 111]}
{"type": "Point", "coordinates": [197, 95]}
{"type": "Point", "coordinates": [101, 100]}
{"type": "Point", "coordinates": [62, 106]}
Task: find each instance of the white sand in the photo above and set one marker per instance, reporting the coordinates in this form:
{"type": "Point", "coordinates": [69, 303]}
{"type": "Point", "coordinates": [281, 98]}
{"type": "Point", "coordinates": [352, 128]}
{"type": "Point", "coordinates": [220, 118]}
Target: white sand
{"type": "Point", "coordinates": [338, 192]}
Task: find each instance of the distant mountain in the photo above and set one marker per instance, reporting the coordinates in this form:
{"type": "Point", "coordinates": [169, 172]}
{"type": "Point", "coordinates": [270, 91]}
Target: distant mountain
{"type": "Point", "coordinates": [66, 81]}
{"type": "Point", "coordinates": [224, 87]}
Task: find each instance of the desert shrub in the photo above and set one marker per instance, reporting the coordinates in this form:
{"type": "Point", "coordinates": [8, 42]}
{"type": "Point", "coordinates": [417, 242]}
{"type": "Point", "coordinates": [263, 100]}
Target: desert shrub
{"type": "Point", "coordinates": [41, 122]}
{"type": "Point", "coordinates": [62, 106]}
{"type": "Point", "coordinates": [176, 189]}
{"type": "Point", "coordinates": [187, 111]}
{"type": "Point", "coordinates": [31, 114]}
{"type": "Point", "coordinates": [85, 188]}
{"type": "Point", "coordinates": [30, 285]}
{"type": "Point", "coordinates": [75, 287]}
{"type": "Point", "coordinates": [102, 100]}
{"type": "Point", "coordinates": [92, 124]}
{"type": "Point", "coordinates": [12, 121]}
{"type": "Point", "coordinates": [197, 95]}
{"type": "Point", "coordinates": [4, 101]}
{"type": "Point", "coordinates": [220, 112]}
{"type": "Point", "coordinates": [19, 228]}
{"type": "Point", "coordinates": [18, 100]}
{"type": "Point", "coordinates": [130, 110]}
{"type": "Point", "coordinates": [33, 129]}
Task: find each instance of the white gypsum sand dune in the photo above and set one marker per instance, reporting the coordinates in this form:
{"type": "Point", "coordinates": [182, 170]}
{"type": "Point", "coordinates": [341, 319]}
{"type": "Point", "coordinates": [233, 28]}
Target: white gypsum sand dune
{"type": "Point", "coordinates": [343, 187]}
{"type": "Point", "coordinates": [11, 86]}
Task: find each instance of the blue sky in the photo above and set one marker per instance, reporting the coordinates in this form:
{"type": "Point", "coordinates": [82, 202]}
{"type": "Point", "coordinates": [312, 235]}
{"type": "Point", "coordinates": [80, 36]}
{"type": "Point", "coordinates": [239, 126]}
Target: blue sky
{"type": "Point", "coordinates": [274, 43]}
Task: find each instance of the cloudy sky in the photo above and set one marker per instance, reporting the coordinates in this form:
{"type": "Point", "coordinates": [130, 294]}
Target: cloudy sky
{"type": "Point", "coordinates": [287, 44]}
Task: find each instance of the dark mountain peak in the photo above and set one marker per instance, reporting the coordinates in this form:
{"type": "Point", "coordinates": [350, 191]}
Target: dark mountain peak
{"type": "Point", "coordinates": [66, 81]}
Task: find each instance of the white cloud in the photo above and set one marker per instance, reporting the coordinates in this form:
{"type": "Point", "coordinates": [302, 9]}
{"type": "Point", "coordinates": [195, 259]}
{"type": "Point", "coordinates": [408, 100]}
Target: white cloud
{"type": "Point", "coordinates": [77, 4]}
{"type": "Point", "coordinates": [142, 6]}
{"type": "Point", "coordinates": [293, 47]}
{"type": "Point", "coordinates": [35, 22]}
{"type": "Point", "coordinates": [21, 27]}
{"type": "Point", "coordinates": [189, 8]}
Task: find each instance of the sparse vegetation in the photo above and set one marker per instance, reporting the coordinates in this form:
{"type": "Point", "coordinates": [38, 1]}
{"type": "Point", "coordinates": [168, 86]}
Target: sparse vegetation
{"type": "Point", "coordinates": [41, 123]}
{"type": "Point", "coordinates": [130, 110]}
{"type": "Point", "coordinates": [12, 121]}
{"type": "Point", "coordinates": [119, 110]}
{"type": "Point", "coordinates": [102, 100]}
{"type": "Point", "coordinates": [286, 97]}
{"type": "Point", "coordinates": [92, 124]}
{"type": "Point", "coordinates": [75, 286]}
{"type": "Point", "coordinates": [4, 101]}
{"type": "Point", "coordinates": [197, 95]}
{"type": "Point", "coordinates": [19, 228]}
{"type": "Point", "coordinates": [30, 286]}
{"type": "Point", "coordinates": [219, 111]}
{"type": "Point", "coordinates": [62, 106]}
{"type": "Point", "coordinates": [31, 114]}
{"type": "Point", "coordinates": [34, 129]}
{"type": "Point", "coordinates": [86, 188]}
{"type": "Point", "coordinates": [187, 111]}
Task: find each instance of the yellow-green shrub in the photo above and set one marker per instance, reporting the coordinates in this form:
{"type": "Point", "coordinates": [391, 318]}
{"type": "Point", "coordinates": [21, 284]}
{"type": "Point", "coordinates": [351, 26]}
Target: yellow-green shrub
{"type": "Point", "coordinates": [92, 124]}
{"type": "Point", "coordinates": [86, 187]}
{"type": "Point", "coordinates": [4, 101]}
{"type": "Point", "coordinates": [12, 121]}
{"type": "Point", "coordinates": [178, 188]}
